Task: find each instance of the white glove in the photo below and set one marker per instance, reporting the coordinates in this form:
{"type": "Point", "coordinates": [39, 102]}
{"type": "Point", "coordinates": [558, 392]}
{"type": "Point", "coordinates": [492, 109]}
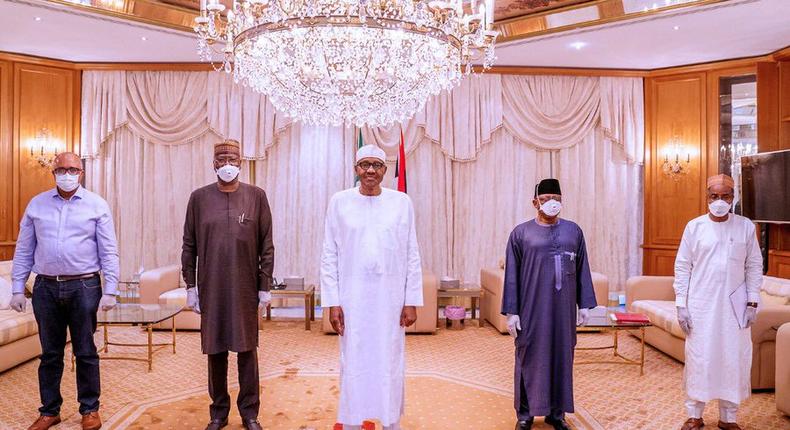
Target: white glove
{"type": "Point", "coordinates": [18, 302]}
{"type": "Point", "coordinates": [107, 302]}
{"type": "Point", "coordinates": [513, 325]}
{"type": "Point", "coordinates": [264, 298]}
{"type": "Point", "coordinates": [751, 316]}
{"type": "Point", "coordinates": [684, 319]}
{"type": "Point", "coordinates": [584, 316]}
{"type": "Point", "coordinates": [192, 299]}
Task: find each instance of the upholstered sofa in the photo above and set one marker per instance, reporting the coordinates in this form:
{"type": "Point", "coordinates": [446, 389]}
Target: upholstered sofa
{"type": "Point", "coordinates": [492, 282]}
{"type": "Point", "coordinates": [18, 331]}
{"type": "Point", "coordinates": [783, 369]}
{"type": "Point", "coordinates": [655, 297]}
{"type": "Point", "coordinates": [162, 285]}
{"type": "Point", "coordinates": [426, 314]}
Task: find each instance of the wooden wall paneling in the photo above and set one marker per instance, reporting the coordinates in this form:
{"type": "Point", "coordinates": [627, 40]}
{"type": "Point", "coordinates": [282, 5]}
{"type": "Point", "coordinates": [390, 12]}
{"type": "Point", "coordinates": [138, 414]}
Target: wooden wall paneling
{"type": "Point", "coordinates": [784, 105]}
{"type": "Point", "coordinates": [779, 263]}
{"type": "Point", "coordinates": [767, 106]}
{"type": "Point", "coordinates": [659, 262]}
{"type": "Point", "coordinates": [6, 214]}
{"type": "Point", "coordinates": [43, 98]}
{"type": "Point", "coordinates": [677, 111]}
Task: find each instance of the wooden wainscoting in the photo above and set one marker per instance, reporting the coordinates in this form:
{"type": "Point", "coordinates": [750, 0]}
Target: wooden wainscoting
{"type": "Point", "coordinates": [779, 263]}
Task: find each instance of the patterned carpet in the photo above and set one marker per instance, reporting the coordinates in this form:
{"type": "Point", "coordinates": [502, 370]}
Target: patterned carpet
{"type": "Point", "coordinates": [456, 380]}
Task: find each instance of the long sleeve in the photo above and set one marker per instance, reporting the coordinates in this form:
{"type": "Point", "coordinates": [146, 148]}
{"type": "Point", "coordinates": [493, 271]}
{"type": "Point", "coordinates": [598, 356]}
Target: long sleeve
{"type": "Point", "coordinates": [683, 266]}
{"type": "Point", "coordinates": [266, 246]}
{"type": "Point", "coordinates": [414, 269]}
{"type": "Point", "coordinates": [330, 288]}
{"type": "Point", "coordinates": [754, 267]}
{"type": "Point", "coordinates": [189, 246]}
{"type": "Point", "coordinates": [585, 292]}
{"type": "Point", "coordinates": [107, 246]}
{"type": "Point", "coordinates": [510, 296]}
{"type": "Point", "coordinates": [24, 254]}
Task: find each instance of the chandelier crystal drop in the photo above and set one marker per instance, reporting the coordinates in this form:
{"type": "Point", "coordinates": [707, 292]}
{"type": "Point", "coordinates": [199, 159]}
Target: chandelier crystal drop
{"type": "Point", "coordinates": [362, 62]}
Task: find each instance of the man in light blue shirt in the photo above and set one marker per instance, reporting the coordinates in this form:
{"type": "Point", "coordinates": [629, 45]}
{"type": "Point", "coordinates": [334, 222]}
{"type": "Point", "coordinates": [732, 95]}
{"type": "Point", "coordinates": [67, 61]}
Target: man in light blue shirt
{"type": "Point", "coordinates": [67, 237]}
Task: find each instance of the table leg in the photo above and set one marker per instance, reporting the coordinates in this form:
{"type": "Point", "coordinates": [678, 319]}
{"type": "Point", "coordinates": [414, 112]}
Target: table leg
{"type": "Point", "coordinates": [312, 306]}
{"type": "Point", "coordinates": [474, 308]}
{"type": "Point", "coordinates": [269, 312]}
{"type": "Point", "coordinates": [150, 347]}
{"type": "Point", "coordinates": [437, 312]}
{"type": "Point", "coordinates": [106, 339]}
{"type": "Point", "coordinates": [642, 358]}
{"type": "Point", "coordinates": [615, 342]}
{"type": "Point", "coordinates": [307, 313]}
{"type": "Point", "coordinates": [173, 320]}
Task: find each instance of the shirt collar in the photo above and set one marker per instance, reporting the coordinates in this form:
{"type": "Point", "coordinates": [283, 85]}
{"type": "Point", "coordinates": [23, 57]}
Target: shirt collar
{"type": "Point", "coordinates": [79, 194]}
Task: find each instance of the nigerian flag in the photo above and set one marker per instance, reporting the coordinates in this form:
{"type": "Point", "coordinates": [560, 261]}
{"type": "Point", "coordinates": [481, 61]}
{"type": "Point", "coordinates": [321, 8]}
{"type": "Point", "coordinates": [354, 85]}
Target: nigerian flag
{"type": "Point", "coordinates": [359, 145]}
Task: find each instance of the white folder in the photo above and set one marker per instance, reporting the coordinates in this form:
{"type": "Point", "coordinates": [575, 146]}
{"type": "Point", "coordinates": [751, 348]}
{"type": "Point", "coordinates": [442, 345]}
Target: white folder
{"type": "Point", "coordinates": [738, 299]}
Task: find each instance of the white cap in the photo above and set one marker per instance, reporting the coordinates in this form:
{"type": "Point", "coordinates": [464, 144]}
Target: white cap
{"type": "Point", "coordinates": [371, 151]}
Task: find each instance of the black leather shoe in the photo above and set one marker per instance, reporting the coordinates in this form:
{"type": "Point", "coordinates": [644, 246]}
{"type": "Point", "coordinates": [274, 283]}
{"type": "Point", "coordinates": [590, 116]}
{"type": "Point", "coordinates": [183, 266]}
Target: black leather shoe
{"type": "Point", "coordinates": [251, 424]}
{"type": "Point", "coordinates": [217, 424]}
{"type": "Point", "coordinates": [558, 424]}
{"type": "Point", "coordinates": [524, 425]}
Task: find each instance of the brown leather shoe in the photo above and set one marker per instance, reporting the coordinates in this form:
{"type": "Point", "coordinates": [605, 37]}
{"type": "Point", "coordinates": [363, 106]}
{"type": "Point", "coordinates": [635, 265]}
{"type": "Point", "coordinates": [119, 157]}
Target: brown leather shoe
{"type": "Point", "coordinates": [729, 426]}
{"type": "Point", "coordinates": [91, 421]}
{"type": "Point", "coordinates": [44, 422]}
{"type": "Point", "coordinates": [693, 424]}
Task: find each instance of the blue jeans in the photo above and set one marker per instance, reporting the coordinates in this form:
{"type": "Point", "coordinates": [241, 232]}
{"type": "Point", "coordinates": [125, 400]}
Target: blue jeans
{"type": "Point", "coordinates": [72, 305]}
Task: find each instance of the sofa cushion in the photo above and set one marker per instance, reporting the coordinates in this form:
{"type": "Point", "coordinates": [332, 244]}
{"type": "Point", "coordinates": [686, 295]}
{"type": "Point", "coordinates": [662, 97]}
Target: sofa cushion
{"type": "Point", "coordinates": [5, 294]}
{"type": "Point", "coordinates": [15, 325]}
{"type": "Point", "coordinates": [772, 300]}
{"type": "Point", "coordinates": [776, 286]}
{"type": "Point", "coordinates": [662, 314]}
{"type": "Point", "coordinates": [176, 296]}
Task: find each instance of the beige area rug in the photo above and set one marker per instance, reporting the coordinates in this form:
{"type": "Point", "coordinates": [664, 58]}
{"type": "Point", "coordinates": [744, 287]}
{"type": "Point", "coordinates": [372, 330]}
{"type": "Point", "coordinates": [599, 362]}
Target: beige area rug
{"type": "Point", "coordinates": [466, 375]}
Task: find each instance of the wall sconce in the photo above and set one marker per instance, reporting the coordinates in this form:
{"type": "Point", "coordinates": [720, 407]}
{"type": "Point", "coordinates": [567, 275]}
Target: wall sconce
{"type": "Point", "coordinates": [677, 160]}
{"type": "Point", "coordinates": [44, 148]}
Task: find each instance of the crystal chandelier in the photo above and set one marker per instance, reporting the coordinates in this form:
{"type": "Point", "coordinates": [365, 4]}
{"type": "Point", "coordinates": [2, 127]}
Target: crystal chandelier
{"type": "Point", "coordinates": [363, 62]}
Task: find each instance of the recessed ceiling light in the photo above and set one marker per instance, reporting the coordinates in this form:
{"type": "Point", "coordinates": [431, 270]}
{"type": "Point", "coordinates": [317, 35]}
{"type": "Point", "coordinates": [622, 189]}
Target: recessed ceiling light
{"type": "Point", "coordinates": [144, 38]}
{"type": "Point", "coordinates": [578, 45]}
{"type": "Point", "coordinates": [38, 18]}
{"type": "Point", "coordinates": [676, 27]}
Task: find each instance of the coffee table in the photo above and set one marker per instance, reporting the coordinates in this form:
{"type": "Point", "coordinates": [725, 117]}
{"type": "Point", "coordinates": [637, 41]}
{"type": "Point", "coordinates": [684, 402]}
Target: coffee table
{"type": "Point", "coordinates": [308, 295]}
{"type": "Point", "coordinates": [136, 314]}
{"type": "Point", "coordinates": [466, 290]}
{"type": "Point", "coordinates": [605, 323]}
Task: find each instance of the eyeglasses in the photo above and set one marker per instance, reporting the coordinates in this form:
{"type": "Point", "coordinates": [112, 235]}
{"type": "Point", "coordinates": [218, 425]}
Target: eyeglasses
{"type": "Point", "coordinates": [70, 170]}
{"type": "Point", "coordinates": [713, 196]}
{"type": "Point", "coordinates": [365, 165]}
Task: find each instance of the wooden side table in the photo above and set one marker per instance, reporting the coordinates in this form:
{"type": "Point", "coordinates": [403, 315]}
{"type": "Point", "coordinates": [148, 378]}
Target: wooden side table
{"type": "Point", "coordinates": [308, 295]}
{"type": "Point", "coordinates": [467, 290]}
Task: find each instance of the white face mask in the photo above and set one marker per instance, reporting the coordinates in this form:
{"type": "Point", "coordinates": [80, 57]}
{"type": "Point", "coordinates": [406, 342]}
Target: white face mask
{"type": "Point", "coordinates": [719, 208]}
{"type": "Point", "coordinates": [67, 183]}
{"type": "Point", "coordinates": [551, 208]}
{"type": "Point", "coordinates": [228, 172]}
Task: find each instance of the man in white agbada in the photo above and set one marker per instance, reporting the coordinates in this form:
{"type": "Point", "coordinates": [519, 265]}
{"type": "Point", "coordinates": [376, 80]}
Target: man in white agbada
{"type": "Point", "coordinates": [718, 257]}
{"type": "Point", "coordinates": [371, 283]}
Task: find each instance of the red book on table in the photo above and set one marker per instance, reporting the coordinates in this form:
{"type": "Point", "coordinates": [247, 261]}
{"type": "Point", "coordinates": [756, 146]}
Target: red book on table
{"type": "Point", "coordinates": [629, 317]}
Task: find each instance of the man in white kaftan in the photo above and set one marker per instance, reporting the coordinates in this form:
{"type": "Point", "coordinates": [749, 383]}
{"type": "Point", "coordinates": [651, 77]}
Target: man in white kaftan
{"type": "Point", "coordinates": [371, 283]}
{"type": "Point", "coordinates": [718, 258]}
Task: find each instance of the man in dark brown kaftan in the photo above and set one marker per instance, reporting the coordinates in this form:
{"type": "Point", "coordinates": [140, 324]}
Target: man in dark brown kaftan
{"type": "Point", "coordinates": [227, 263]}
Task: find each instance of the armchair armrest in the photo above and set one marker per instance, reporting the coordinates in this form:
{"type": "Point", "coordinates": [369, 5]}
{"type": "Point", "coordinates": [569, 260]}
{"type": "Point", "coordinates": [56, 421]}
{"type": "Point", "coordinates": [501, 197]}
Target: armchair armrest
{"type": "Point", "coordinates": [769, 318]}
{"type": "Point", "coordinates": [157, 281]}
{"type": "Point", "coordinates": [649, 288]}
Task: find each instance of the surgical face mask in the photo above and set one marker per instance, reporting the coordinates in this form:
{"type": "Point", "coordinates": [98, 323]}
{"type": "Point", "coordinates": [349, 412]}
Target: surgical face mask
{"type": "Point", "coordinates": [67, 183]}
{"type": "Point", "coordinates": [719, 208]}
{"type": "Point", "coordinates": [551, 208]}
{"type": "Point", "coordinates": [228, 172]}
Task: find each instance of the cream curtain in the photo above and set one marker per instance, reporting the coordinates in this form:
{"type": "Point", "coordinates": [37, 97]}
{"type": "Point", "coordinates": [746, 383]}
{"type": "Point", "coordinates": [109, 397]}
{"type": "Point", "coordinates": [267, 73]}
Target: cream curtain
{"type": "Point", "coordinates": [473, 158]}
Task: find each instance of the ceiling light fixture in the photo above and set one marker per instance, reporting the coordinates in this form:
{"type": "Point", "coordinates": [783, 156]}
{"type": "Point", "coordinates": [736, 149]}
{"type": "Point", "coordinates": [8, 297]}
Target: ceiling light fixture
{"type": "Point", "coordinates": [144, 38]}
{"type": "Point", "coordinates": [578, 45]}
{"type": "Point", "coordinates": [676, 28]}
{"type": "Point", "coordinates": [38, 18]}
{"type": "Point", "coordinates": [360, 62]}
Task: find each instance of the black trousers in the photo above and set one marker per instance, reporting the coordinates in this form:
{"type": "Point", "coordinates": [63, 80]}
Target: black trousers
{"type": "Point", "coordinates": [522, 413]}
{"type": "Point", "coordinates": [249, 401]}
{"type": "Point", "coordinates": [59, 306]}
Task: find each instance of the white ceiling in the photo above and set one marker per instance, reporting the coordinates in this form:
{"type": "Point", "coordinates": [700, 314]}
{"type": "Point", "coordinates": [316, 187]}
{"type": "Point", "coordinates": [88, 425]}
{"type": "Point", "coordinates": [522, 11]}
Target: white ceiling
{"type": "Point", "coordinates": [733, 29]}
